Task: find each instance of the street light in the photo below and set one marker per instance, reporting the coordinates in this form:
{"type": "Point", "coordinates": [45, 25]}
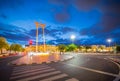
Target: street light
{"type": "Point", "coordinates": [109, 41]}
{"type": "Point", "coordinates": [72, 38]}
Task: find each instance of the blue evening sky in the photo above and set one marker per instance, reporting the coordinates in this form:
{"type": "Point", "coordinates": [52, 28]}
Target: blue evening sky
{"type": "Point", "coordinates": [91, 21]}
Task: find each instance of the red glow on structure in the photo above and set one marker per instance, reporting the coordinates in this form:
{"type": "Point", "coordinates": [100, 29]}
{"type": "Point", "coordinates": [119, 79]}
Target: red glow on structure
{"type": "Point", "coordinates": [30, 42]}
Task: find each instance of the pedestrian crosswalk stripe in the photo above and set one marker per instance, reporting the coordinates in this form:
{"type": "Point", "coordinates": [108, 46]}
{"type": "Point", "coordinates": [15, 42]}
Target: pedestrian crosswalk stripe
{"type": "Point", "coordinates": [27, 66]}
{"type": "Point", "coordinates": [29, 74]}
{"type": "Point", "coordinates": [72, 79]}
{"type": "Point", "coordinates": [39, 76]}
{"type": "Point", "coordinates": [55, 77]}
{"type": "Point", "coordinates": [38, 72]}
{"type": "Point", "coordinates": [23, 69]}
{"type": "Point", "coordinates": [28, 71]}
{"type": "Point", "coordinates": [30, 68]}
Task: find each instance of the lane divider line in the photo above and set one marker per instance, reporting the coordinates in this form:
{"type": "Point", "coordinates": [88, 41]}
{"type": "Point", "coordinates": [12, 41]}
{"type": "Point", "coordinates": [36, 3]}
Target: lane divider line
{"type": "Point", "coordinates": [117, 78]}
{"type": "Point", "coordinates": [93, 70]}
{"type": "Point", "coordinates": [55, 77]}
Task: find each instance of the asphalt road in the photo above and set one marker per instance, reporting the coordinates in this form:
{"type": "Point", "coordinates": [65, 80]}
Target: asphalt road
{"type": "Point", "coordinates": [80, 68]}
{"type": "Point", "coordinates": [5, 69]}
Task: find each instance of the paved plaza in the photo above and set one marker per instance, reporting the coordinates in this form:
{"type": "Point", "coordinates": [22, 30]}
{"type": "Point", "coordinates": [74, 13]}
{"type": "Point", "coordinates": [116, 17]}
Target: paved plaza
{"type": "Point", "coordinates": [43, 58]}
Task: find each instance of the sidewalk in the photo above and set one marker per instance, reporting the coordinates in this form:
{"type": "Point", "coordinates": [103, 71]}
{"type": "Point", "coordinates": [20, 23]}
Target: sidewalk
{"type": "Point", "coordinates": [7, 55]}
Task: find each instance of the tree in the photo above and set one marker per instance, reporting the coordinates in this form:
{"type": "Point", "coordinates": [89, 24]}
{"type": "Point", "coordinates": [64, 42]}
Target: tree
{"type": "Point", "coordinates": [3, 44]}
{"type": "Point", "coordinates": [81, 48]}
{"type": "Point", "coordinates": [87, 48]}
{"type": "Point", "coordinates": [94, 48]}
{"type": "Point", "coordinates": [102, 47]}
{"type": "Point", "coordinates": [16, 47]}
{"type": "Point", "coordinates": [71, 47]}
{"type": "Point", "coordinates": [61, 48]}
{"type": "Point", "coordinates": [118, 48]}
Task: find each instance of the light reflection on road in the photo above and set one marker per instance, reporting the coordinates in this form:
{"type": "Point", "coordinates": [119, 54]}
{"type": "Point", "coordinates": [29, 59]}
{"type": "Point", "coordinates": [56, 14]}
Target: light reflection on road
{"type": "Point", "coordinates": [38, 59]}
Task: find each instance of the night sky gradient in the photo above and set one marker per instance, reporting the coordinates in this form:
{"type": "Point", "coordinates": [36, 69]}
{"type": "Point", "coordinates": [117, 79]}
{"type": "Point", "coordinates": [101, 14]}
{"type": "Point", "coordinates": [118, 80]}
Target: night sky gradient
{"type": "Point", "coordinates": [92, 21]}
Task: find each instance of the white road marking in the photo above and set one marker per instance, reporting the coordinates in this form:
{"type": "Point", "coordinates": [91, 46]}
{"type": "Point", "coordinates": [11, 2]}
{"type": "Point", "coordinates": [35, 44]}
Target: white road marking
{"type": "Point", "coordinates": [38, 69]}
{"type": "Point", "coordinates": [24, 69]}
{"type": "Point", "coordinates": [28, 67]}
{"type": "Point", "coordinates": [117, 78]}
{"type": "Point", "coordinates": [93, 70]}
{"type": "Point", "coordinates": [55, 77]}
{"type": "Point", "coordinates": [29, 74]}
{"type": "Point", "coordinates": [40, 76]}
{"type": "Point", "coordinates": [72, 79]}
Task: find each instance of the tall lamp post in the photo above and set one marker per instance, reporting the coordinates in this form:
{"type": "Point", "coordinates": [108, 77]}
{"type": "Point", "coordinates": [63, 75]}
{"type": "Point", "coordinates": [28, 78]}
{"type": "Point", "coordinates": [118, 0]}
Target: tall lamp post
{"type": "Point", "coordinates": [109, 41]}
{"type": "Point", "coordinates": [72, 38]}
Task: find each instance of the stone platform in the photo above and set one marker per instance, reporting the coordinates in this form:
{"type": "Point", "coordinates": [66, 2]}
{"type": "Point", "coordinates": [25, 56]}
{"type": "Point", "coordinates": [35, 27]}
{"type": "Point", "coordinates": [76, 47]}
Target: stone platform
{"type": "Point", "coordinates": [39, 59]}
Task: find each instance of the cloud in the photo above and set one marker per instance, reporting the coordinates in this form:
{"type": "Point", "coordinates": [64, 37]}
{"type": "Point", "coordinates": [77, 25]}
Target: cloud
{"type": "Point", "coordinates": [54, 35]}
{"type": "Point", "coordinates": [62, 17]}
{"type": "Point", "coordinates": [79, 13]}
{"type": "Point", "coordinates": [61, 12]}
{"type": "Point", "coordinates": [59, 41]}
{"type": "Point", "coordinates": [56, 31]}
{"type": "Point", "coordinates": [111, 6]}
{"type": "Point", "coordinates": [86, 5]}
{"type": "Point", "coordinates": [64, 8]}
{"type": "Point", "coordinates": [13, 33]}
{"type": "Point", "coordinates": [109, 23]}
{"type": "Point", "coordinates": [100, 33]}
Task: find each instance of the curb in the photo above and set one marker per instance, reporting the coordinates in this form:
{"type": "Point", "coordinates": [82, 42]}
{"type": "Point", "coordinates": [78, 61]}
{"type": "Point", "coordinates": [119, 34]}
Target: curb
{"type": "Point", "coordinates": [48, 62]}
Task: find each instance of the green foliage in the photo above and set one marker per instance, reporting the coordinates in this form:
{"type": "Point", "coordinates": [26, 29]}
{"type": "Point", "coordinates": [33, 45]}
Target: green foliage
{"type": "Point", "coordinates": [118, 48]}
{"type": "Point", "coordinates": [101, 47]}
{"type": "Point", "coordinates": [62, 47]}
{"type": "Point", "coordinates": [81, 47]}
{"type": "Point", "coordinates": [71, 47]}
{"type": "Point", "coordinates": [16, 47]}
{"type": "Point", "coordinates": [3, 44]}
{"type": "Point", "coordinates": [88, 47]}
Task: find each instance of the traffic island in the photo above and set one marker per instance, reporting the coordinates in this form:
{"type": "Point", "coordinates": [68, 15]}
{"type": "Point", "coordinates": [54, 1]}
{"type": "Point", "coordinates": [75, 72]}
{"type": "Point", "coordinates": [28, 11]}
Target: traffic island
{"type": "Point", "coordinates": [40, 59]}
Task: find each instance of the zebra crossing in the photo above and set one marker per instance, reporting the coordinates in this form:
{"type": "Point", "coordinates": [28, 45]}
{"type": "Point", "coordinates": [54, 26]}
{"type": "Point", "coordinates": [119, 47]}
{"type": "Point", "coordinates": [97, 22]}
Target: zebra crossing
{"type": "Point", "coordinates": [39, 73]}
